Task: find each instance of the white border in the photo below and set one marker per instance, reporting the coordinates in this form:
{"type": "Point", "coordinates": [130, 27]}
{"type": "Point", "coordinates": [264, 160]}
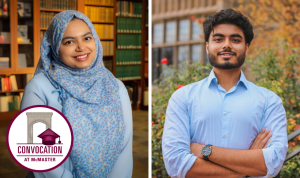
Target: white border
{"type": "Point", "coordinates": [150, 88]}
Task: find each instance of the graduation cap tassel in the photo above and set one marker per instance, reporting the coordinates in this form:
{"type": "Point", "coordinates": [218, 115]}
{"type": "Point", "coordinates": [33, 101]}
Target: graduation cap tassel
{"type": "Point", "coordinates": [59, 141]}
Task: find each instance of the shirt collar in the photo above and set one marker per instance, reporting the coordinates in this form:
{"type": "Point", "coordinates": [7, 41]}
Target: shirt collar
{"type": "Point", "coordinates": [212, 76]}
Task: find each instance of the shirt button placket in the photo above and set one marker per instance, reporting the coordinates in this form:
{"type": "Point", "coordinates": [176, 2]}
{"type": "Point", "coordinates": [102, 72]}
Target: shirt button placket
{"type": "Point", "coordinates": [225, 122]}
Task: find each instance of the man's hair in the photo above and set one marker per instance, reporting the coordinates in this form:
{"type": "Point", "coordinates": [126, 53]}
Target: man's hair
{"type": "Point", "coordinates": [229, 16]}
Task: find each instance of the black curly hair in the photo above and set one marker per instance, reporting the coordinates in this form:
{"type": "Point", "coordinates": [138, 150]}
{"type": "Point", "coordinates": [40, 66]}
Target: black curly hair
{"type": "Point", "coordinates": [229, 16]}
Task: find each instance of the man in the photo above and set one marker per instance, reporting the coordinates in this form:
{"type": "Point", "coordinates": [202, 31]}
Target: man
{"type": "Point", "coordinates": [220, 126]}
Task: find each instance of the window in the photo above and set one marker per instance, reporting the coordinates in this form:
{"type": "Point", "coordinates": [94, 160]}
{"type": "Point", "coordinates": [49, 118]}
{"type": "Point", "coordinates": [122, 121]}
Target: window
{"type": "Point", "coordinates": [184, 30]}
{"type": "Point", "coordinates": [158, 33]}
{"type": "Point", "coordinates": [196, 52]}
{"type": "Point", "coordinates": [171, 32]}
{"type": "Point", "coordinates": [197, 30]}
{"type": "Point", "coordinates": [155, 61]}
{"type": "Point", "coordinates": [167, 52]}
{"type": "Point", "coordinates": [183, 53]}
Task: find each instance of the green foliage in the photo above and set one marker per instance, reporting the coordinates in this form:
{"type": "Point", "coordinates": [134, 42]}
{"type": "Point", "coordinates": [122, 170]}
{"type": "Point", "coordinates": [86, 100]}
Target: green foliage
{"type": "Point", "coordinates": [275, 69]}
{"type": "Point", "coordinates": [162, 90]}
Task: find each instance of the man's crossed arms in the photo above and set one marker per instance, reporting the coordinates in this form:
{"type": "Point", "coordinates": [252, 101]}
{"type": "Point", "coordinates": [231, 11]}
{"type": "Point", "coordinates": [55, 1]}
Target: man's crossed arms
{"type": "Point", "coordinates": [229, 163]}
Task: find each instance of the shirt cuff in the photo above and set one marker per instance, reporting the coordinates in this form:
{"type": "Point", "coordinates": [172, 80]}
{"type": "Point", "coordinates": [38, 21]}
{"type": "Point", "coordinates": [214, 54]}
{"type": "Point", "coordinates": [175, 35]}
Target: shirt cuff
{"type": "Point", "coordinates": [268, 156]}
{"type": "Point", "coordinates": [186, 165]}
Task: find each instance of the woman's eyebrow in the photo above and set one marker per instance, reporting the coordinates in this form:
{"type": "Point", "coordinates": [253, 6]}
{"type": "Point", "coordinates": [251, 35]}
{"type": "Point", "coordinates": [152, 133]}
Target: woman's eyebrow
{"type": "Point", "coordinates": [70, 37]}
{"type": "Point", "coordinates": [88, 33]}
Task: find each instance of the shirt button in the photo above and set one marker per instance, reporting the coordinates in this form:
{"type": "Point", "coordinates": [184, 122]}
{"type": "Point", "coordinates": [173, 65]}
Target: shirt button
{"type": "Point", "coordinates": [224, 135]}
{"type": "Point", "coordinates": [225, 113]}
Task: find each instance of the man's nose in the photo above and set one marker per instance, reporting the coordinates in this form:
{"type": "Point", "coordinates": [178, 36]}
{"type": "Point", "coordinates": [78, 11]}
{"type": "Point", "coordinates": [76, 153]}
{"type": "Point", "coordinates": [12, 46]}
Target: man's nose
{"type": "Point", "coordinates": [227, 44]}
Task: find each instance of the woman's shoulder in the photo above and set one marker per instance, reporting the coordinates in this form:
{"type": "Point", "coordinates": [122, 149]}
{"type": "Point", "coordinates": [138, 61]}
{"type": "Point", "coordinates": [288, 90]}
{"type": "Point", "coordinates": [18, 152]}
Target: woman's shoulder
{"type": "Point", "coordinates": [122, 87]}
{"type": "Point", "coordinates": [39, 83]}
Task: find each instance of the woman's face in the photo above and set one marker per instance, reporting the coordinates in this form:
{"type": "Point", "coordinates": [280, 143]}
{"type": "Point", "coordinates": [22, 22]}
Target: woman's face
{"type": "Point", "coordinates": [78, 47]}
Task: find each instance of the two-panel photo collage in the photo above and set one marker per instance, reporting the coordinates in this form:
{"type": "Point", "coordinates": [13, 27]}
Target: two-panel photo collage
{"type": "Point", "coordinates": [149, 88]}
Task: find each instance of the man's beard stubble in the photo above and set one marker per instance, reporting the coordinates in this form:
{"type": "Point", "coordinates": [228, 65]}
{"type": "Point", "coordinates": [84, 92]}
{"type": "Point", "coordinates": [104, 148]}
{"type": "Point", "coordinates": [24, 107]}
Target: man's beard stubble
{"type": "Point", "coordinates": [227, 65]}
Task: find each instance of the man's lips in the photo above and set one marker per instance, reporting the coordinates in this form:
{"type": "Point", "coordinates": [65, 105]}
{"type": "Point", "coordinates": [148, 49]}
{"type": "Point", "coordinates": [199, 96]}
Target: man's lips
{"type": "Point", "coordinates": [82, 57]}
{"type": "Point", "coordinates": [226, 54]}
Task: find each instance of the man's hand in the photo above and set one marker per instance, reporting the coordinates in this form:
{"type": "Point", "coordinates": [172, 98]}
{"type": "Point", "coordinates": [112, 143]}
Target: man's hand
{"type": "Point", "coordinates": [196, 149]}
{"type": "Point", "coordinates": [261, 140]}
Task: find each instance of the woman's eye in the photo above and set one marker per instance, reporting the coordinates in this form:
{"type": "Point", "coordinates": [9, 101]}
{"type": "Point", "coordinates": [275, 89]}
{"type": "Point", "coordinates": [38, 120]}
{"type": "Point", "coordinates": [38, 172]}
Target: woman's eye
{"type": "Point", "coordinates": [69, 42]}
{"type": "Point", "coordinates": [88, 38]}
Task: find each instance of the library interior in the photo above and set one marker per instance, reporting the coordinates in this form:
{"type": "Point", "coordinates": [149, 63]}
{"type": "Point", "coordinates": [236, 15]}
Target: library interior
{"type": "Point", "coordinates": [122, 27]}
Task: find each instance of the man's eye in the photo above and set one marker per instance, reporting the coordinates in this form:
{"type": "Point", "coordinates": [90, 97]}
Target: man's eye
{"type": "Point", "coordinates": [236, 40]}
{"type": "Point", "coordinates": [69, 42]}
{"type": "Point", "coordinates": [218, 39]}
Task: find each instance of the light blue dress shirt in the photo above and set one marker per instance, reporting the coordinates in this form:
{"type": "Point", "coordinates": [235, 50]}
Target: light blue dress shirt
{"type": "Point", "coordinates": [204, 113]}
{"type": "Point", "coordinates": [39, 90]}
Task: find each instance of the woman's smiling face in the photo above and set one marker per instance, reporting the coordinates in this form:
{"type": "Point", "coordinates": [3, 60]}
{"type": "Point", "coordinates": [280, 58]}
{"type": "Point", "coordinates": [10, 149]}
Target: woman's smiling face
{"type": "Point", "coordinates": [78, 47]}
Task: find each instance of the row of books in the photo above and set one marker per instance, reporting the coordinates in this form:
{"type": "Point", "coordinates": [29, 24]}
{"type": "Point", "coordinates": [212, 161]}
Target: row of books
{"type": "Point", "coordinates": [14, 82]}
{"type": "Point", "coordinates": [134, 92]}
{"type": "Point", "coordinates": [108, 64]}
{"type": "Point", "coordinates": [46, 18]}
{"type": "Point", "coordinates": [59, 4]}
{"type": "Point", "coordinates": [10, 102]}
{"type": "Point", "coordinates": [100, 2]}
{"type": "Point", "coordinates": [125, 41]}
{"type": "Point", "coordinates": [129, 9]}
{"type": "Point", "coordinates": [129, 25]}
{"type": "Point", "coordinates": [4, 62]}
{"type": "Point", "coordinates": [128, 72]}
{"type": "Point", "coordinates": [128, 57]}
{"type": "Point", "coordinates": [104, 31]}
{"type": "Point", "coordinates": [99, 14]}
{"type": "Point", "coordinates": [108, 48]}
{"type": "Point", "coordinates": [22, 61]}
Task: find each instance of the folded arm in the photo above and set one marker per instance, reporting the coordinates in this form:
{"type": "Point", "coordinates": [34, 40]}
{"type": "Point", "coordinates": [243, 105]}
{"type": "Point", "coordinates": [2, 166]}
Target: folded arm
{"type": "Point", "coordinates": [245, 162]}
{"type": "Point", "coordinates": [208, 169]}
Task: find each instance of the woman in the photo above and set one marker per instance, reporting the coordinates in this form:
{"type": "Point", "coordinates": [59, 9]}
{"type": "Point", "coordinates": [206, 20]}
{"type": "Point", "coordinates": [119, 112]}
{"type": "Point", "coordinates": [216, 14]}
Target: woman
{"type": "Point", "coordinates": [71, 78]}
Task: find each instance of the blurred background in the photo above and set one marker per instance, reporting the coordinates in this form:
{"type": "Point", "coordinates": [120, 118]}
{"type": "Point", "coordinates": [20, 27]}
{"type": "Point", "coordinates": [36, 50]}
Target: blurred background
{"type": "Point", "coordinates": [179, 58]}
{"type": "Point", "coordinates": [122, 27]}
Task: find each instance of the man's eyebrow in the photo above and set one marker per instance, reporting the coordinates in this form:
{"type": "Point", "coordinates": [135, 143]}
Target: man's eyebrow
{"type": "Point", "coordinates": [218, 34]}
{"type": "Point", "coordinates": [233, 35]}
{"type": "Point", "coordinates": [70, 37]}
{"type": "Point", "coordinates": [236, 35]}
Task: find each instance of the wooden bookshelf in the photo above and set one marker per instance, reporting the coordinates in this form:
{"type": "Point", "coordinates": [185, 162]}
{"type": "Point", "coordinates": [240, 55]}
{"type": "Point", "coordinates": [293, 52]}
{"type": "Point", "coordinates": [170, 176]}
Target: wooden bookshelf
{"type": "Point", "coordinates": [98, 5]}
{"type": "Point", "coordinates": [51, 10]}
{"type": "Point", "coordinates": [142, 81]}
{"type": "Point", "coordinates": [14, 20]}
{"type": "Point", "coordinates": [16, 91]}
{"type": "Point", "coordinates": [14, 47]}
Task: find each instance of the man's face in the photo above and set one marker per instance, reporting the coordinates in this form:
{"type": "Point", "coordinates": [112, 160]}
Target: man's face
{"type": "Point", "coordinates": [226, 47]}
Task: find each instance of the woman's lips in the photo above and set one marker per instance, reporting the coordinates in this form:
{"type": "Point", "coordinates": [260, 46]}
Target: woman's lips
{"type": "Point", "coordinates": [81, 58]}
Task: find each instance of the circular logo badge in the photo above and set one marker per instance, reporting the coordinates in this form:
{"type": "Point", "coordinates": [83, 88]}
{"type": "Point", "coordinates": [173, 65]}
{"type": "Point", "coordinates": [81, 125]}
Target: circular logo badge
{"type": "Point", "coordinates": [39, 138]}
